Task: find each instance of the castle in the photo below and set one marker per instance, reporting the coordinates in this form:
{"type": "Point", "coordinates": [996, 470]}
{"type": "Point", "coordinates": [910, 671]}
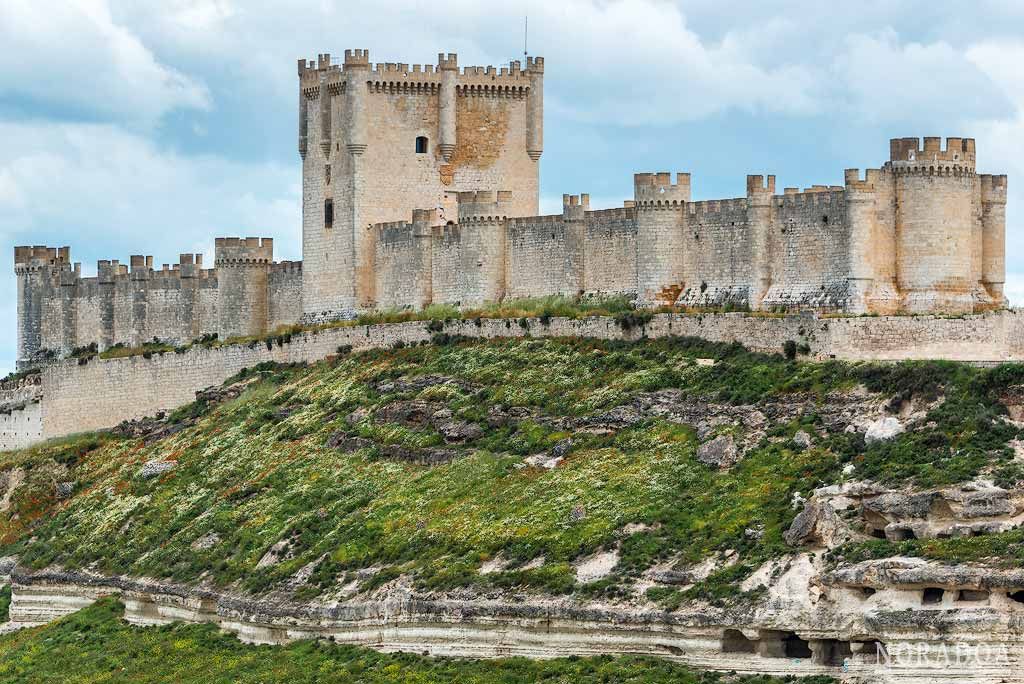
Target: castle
{"type": "Point", "coordinates": [420, 186]}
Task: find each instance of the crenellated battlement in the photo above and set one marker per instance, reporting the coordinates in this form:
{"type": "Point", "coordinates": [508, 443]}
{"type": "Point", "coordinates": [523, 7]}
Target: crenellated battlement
{"type": "Point", "coordinates": [759, 185]}
{"type": "Point", "coordinates": [706, 209]}
{"type": "Point", "coordinates": [484, 205]}
{"type": "Point", "coordinates": [614, 214]}
{"type": "Point", "coordinates": [826, 197]}
{"type": "Point", "coordinates": [29, 258]}
{"type": "Point", "coordinates": [449, 62]}
{"type": "Point", "coordinates": [575, 207]}
{"type": "Point", "coordinates": [286, 267]}
{"type": "Point", "coordinates": [656, 190]}
{"type": "Point", "coordinates": [398, 77]}
{"type": "Point", "coordinates": [250, 250]}
{"type": "Point", "coordinates": [993, 188]}
{"type": "Point", "coordinates": [853, 181]}
{"type": "Point", "coordinates": [910, 151]}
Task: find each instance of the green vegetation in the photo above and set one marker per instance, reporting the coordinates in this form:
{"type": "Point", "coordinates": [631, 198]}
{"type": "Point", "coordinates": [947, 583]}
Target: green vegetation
{"type": "Point", "coordinates": [1005, 550]}
{"type": "Point", "coordinates": [95, 645]}
{"type": "Point", "coordinates": [120, 351]}
{"type": "Point", "coordinates": [256, 473]}
{"type": "Point", "coordinates": [5, 603]}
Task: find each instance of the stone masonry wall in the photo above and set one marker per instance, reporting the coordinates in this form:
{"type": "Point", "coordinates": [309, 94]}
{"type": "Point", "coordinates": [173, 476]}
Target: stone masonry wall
{"type": "Point", "coordinates": [538, 257]}
{"type": "Point", "coordinates": [468, 263]}
{"type": "Point", "coordinates": [609, 251]}
{"type": "Point", "coordinates": [716, 253]}
{"type": "Point", "coordinates": [400, 264]}
{"type": "Point", "coordinates": [809, 250]}
{"type": "Point", "coordinates": [134, 387]}
{"type": "Point", "coordinates": [21, 417]}
{"type": "Point", "coordinates": [284, 294]}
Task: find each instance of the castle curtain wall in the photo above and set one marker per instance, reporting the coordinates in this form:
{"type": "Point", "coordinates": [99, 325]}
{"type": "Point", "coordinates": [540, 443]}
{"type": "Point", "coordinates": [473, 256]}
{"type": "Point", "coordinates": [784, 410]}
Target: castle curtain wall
{"type": "Point", "coordinates": [609, 251]}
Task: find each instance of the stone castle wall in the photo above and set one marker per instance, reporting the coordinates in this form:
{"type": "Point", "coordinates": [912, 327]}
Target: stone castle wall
{"type": "Point", "coordinates": [65, 400]}
{"type": "Point", "coordinates": [21, 416]}
{"type": "Point", "coordinates": [910, 237]}
{"type": "Point", "coordinates": [59, 310]}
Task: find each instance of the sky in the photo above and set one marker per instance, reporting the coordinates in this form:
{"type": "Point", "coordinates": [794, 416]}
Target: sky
{"type": "Point", "coordinates": [136, 127]}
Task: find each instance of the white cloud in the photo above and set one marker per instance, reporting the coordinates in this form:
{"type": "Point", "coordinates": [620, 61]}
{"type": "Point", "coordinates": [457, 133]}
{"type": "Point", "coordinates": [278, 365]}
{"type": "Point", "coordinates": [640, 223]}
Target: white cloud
{"type": "Point", "coordinates": [75, 57]}
{"type": "Point", "coordinates": [929, 84]}
{"type": "Point", "coordinates": [108, 193]}
{"type": "Point", "coordinates": [1001, 141]}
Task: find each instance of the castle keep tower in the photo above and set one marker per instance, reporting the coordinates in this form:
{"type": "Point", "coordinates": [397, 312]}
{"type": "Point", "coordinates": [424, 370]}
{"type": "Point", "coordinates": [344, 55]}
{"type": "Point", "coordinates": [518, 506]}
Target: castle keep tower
{"type": "Point", "coordinates": [436, 130]}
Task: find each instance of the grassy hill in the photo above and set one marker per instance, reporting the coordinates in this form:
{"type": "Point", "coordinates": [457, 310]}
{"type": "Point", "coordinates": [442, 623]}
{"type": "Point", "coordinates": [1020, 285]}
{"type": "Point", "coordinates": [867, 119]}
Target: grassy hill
{"type": "Point", "coordinates": [515, 456]}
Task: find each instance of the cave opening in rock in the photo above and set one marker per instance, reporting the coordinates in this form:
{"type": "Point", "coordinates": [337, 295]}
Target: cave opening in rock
{"type": "Point", "coordinates": [932, 595]}
{"type": "Point", "coordinates": [795, 647]}
{"type": "Point", "coordinates": [1017, 596]}
{"type": "Point", "coordinates": [903, 534]}
{"type": "Point", "coordinates": [878, 533]}
{"type": "Point", "coordinates": [972, 595]}
{"type": "Point", "coordinates": [835, 652]}
{"type": "Point", "coordinates": [867, 592]}
{"type": "Point", "coordinates": [733, 641]}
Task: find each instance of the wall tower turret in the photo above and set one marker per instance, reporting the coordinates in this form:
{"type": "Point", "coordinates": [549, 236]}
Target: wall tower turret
{"type": "Point", "coordinates": [242, 268]}
{"type": "Point", "coordinates": [482, 217]}
{"type": "Point", "coordinates": [660, 212]}
{"type": "Point", "coordinates": [934, 188]}
{"type": "Point", "coordinates": [759, 218]}
{"type": "Point", "coordinates": [449, 68]}
{"type": "Point", "coordinates": [535, 108]}
{"type": "Point", "coordinates": [38, 270]}
{"type": "Point", "coordinates": [993, 226]}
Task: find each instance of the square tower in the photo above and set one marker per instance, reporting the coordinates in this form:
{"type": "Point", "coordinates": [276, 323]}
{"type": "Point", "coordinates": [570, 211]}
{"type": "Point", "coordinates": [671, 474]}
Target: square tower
{"type": "Point", "coordinates": [378, 141]}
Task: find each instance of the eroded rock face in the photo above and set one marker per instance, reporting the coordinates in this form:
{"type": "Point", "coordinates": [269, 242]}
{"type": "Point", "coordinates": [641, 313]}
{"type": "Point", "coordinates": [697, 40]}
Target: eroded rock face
{"type": "Point", "coordinates": [883, 429]}
{"type": "Point", "coordinates": [967, 510]}
{"type": "Point", "coordinates": [418, 415]}
{"type": "Point", "coordinates": [817, 525]}
{"type": "Point", "coordinates": [806, 621]}
{"type": "Point", "coordinates": [719, 452]}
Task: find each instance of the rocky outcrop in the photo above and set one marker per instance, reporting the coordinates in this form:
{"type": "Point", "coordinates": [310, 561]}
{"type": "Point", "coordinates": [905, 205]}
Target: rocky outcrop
{"type": "Point", "coordinates": [868, 510]}
{"type": "Point", "coordinates": [808, 621]}
{"type": "Point", "coordinates": [719, 452]}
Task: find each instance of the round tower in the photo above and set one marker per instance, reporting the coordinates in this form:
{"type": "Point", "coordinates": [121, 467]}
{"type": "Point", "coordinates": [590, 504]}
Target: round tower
{"type": "Point", "coordinates": [659, 239]}
{"type": "Point", "coordinates": [449, 68]}
{"type": "Point", "coordinates": [535, 108]}
{"type": "Point", "coordinates": [934, 223]}
{"type": "Point", "coordinates": [242, 266]}
{"type": "Point", "coordinates": [993, 237]}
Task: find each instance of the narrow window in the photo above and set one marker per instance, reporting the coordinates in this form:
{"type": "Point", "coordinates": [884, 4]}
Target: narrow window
{"type": "Point", "coordinates": [327, 174]}
{"type": "Point", "coordinates": [421, 145]}
{"type": "Point", "coordinates": [328, 213]}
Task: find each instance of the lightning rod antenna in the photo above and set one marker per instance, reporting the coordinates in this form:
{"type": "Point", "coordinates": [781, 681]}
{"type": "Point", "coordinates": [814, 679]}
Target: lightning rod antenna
{"type": "Point", "coordinates": [526, 33]}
